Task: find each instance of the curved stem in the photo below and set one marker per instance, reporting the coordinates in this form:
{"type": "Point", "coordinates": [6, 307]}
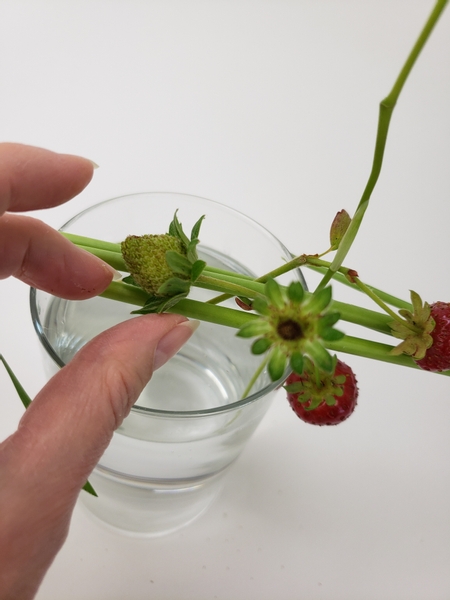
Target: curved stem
{"type": "Point", "coordinates": [386, 109]}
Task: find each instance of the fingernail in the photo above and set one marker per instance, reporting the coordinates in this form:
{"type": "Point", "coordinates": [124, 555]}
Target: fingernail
{"type": "Point", "coordinates": [95, 165]}
{"type": "Point", "coordinates": [116, 275]}
{"type": "Point", "coordinates": [172, 342]}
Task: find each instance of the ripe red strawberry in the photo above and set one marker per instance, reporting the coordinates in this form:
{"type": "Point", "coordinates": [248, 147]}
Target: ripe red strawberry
{"type": "Point", "coordinates": [437, 357]}
{"type": "Point", "coordinates": [328, 401]}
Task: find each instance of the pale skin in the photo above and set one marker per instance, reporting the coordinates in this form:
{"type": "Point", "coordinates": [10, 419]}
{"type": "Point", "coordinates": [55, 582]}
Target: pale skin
{"type": "Point", "coordinates": [60, 438]}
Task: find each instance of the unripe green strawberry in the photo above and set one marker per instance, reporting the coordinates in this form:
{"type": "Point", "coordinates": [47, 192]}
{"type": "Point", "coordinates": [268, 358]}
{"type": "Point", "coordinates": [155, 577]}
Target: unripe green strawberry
{"type": "Point", "coordinates": [145, 258]}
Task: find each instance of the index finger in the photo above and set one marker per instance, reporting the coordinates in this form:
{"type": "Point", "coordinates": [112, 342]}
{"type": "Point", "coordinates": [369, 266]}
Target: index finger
{"type": "Point", "coordinates": [33, 178]}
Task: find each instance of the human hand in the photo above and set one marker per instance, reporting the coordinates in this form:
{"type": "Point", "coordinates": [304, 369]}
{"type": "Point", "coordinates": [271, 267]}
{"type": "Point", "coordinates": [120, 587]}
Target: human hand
{"type": "Point", "coordinates": [60, 438]}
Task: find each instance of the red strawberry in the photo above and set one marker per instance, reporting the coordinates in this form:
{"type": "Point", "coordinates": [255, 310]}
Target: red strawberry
{"type": "Point", "coordinates": [437, 357]}
{"type": "Point", "coordinates": [327, 401]}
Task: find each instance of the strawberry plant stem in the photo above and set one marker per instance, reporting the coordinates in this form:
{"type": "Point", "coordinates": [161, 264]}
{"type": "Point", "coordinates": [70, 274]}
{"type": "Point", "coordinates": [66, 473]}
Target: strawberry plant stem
{"type": "Point", "coordinates": [386, 109]}
{"type": "Point", "coordinates": [388, 298]}
{"type": "Point", "coordinates": [255, 376]}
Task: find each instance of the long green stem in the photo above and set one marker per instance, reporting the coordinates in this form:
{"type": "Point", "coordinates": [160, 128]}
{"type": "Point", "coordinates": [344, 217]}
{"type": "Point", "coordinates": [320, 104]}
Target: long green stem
{"type": "Point", "coordinates": [385, 113]}
{"type": "Point", "coordinates": [371, 294]}
{"type": "Point", "coordinates": [229, 317]}
{"type": "Point", "coordinates": [388, 298]}
{"type": "Point", "coordinates": [232, 284]}
{"type": "Point", "coordinates": [114, 259]}
{"type": "Point", "coordinates": [372, 350]}
{"type": "Point", "coordinates": [88, 242]}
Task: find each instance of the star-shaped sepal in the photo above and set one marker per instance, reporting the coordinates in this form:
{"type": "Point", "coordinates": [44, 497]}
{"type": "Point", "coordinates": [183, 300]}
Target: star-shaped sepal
{"type": "Point", "coordinates": [414, 330]}
{"type": "Point", "coordinates": [292, 325]}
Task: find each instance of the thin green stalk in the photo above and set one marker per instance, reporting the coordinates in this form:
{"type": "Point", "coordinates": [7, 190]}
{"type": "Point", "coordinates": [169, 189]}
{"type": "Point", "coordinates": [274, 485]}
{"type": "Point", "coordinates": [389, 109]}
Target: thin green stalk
{"type": "Point", "coordinates": [388, 298]}
{"type": "Point", "coordinates": [385, 113]}
{"type": "Point", "coordinates": [233, 284]}
{"type": "Point", "coordinates": [285, 268]}
{"type": "Point", "coordinates": [255, 376]}
{"type": "Point", "coordinates": [371, 294]}
{"type": "Point", "coordinates": [372, 350]}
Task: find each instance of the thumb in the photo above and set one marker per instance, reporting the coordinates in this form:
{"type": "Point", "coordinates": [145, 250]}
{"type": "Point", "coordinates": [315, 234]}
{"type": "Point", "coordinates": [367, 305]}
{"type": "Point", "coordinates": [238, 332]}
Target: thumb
{"type": "Point", "coordinates": [62, 436]}
{"type": "Point", "coordinates": [71, 421]}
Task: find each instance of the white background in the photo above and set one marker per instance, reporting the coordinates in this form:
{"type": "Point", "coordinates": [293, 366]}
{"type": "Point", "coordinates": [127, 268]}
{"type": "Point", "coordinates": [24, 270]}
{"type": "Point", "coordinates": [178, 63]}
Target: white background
{"type": "Point", "coordinates": [269, 106]}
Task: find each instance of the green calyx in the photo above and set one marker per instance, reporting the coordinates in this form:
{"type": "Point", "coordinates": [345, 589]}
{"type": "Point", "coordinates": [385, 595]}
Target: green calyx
{"type": "Point", "coordinates": [414, 329]}
{"type": "Point", "coordinates": [292, 326]}
{"type": "Point", "coordinates": [163, 265]}
{"type": "Point", "coordinates": [315, 388]}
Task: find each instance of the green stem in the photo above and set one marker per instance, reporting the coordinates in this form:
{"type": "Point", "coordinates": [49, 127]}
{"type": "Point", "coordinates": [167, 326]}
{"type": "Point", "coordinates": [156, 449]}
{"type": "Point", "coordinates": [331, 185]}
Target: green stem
{"type": "Point", "coordinates": [232, 284]}
{"type": "Point", "coordinates": [285, 268]}
{"type": "Point", "coordinates": [255, 376]}
{"type": "Point", "coordinates": [388, 298]}
{"type": "Point", "coordinates": [131, 294]}
{"type": "Point", "coordinates": [114, 259]}
{"type": "Point", "coordinates": [371, 294]}
{"type": "Point", "coordinates": [118, 290]}
{"type": "Point", "coordinates": [372, 350]}
{"type": "Point", "coordinates": [88, 242]}
{"type": "Point", "coordinates": [385, 113]}
{"type": "Point", "coordinates": [370, 319]}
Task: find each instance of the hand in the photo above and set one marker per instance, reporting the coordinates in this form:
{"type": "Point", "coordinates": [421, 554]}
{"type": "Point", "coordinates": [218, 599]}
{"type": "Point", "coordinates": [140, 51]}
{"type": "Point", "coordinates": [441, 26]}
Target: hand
{"type": "Point", "coordinates": [60, 438]}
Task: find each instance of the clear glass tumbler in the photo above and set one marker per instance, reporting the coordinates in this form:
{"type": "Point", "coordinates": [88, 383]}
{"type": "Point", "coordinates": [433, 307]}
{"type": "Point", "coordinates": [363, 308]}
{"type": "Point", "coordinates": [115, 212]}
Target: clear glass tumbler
{"type": "Point", "coordinates": [166, 462]}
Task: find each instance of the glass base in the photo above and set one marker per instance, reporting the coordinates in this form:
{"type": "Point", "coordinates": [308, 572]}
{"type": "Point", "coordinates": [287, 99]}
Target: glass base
{"type": "Point", "coordinates": [148, 508]}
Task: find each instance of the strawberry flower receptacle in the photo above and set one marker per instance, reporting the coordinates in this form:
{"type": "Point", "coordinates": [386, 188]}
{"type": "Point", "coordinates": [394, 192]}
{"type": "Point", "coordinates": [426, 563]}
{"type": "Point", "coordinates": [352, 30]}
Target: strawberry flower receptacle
{"type": "Point", "coordinates": [292, 326]}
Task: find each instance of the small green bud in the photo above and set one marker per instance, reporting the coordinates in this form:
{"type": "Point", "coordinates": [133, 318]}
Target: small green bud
{"type": "Point", "coordinates": [339, 226]}
{"type": "Point", "coordinates": [145, 257]}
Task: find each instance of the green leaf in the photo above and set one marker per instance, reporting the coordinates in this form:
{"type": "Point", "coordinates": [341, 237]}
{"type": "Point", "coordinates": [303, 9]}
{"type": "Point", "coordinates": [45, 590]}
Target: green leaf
{"type": "Point", "coordinates": [319, 300]}
{"type": "Point", "coordinates": [296, 362]}
{"type": "Point", "coordinates": [274, 293]}
{"type": "Point", "coordinates": [332, 335]}
{"type": "Point", "coordinates": [253, 328]}
{"type": "Point", "coordinates": [176, 229]}
{"type": "Point", "coordinates": [178, 263]}
{"type": "Point", "coordinates": [174, 286]}
{"type": "Point", "coordinates": [277, 364]}
{"type": "Point", "coordinates": [196, 229]}
{"type": "Point", "coordinates": [320, 356]}
{"type": "Point", "coordinates": [261, 345]}
{"type": "Point", "coordinates": [294, 388]}
{"type": "Point", "coordinates": [24, 397]}
{"type": "Point", "coordinates": [329, 319]}
{"type": "Point", "coordinates": [191, 250]}
{"type": "Point", "coordinates": [260, 305]}
{"type": "Point", "coordinates": [87, 487]}
{"type": "Point", "coordinates": [197, 269]}
{"type": "Point", "coordinates": [151, 305]}
{"type": "Point", "coordinates": [296, 292]}
{"type": "Point", "coordinates": [130, 281]}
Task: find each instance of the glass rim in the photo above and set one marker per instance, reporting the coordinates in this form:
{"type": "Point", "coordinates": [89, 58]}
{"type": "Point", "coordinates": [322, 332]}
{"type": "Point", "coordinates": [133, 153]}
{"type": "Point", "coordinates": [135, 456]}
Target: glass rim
{"type": "Point", "coordinates": [39, 329]}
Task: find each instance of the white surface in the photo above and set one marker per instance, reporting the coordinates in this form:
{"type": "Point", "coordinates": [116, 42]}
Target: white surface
{"type": "Point", "coordinates": [269, 106]}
